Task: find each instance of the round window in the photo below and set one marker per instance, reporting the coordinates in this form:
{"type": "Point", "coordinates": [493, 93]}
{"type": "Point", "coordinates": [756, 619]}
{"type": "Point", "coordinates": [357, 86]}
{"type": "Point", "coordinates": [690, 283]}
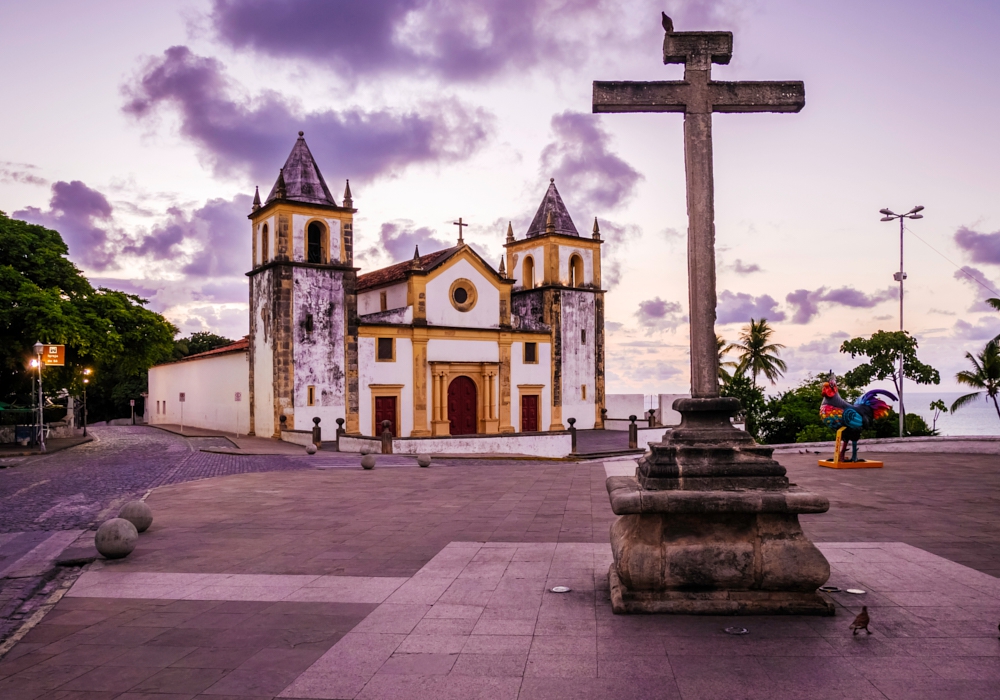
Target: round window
{"type": "Point", "coordinates": [463, 294]}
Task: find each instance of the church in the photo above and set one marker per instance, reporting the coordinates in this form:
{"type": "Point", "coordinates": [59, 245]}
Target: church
{"type": "Point", "coordinates": [442, 344]}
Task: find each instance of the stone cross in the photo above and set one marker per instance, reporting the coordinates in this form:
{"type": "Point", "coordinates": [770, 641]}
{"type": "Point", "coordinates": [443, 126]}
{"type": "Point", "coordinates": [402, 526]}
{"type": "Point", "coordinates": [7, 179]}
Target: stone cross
{"type": "Point", "coordinates": [460, 225]}
{"type": "Point", "coordinates": [697, 96]}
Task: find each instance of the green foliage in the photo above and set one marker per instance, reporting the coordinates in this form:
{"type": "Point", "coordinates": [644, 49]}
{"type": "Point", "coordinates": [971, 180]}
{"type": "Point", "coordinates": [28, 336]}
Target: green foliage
{"type": "Point", "coordinates": [938, 407]}
{"type": "Point", "coordinates": [43, 296]}
{"type": "Point", "coordinates": [883, 350]}
{"type": "Point", "coordinates": [725, 365]}
{"type": "Point", "coordinates": [984, 376]}
{"type": "Point", "coordinates": [795, 413]}
{"type": "Point", "coordinates": [758, 355]}
{"type": "Point", "coordinates": [914, 425]}
{"type": "Point", "coordinates": [202, 341]}
{"type": "Point", "coordinates": [752, 402]}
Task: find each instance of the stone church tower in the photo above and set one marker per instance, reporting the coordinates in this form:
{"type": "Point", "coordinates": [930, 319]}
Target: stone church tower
{"type": "Point", "coordinates": [557, 289]}
{"type": "Point", "coordinates": [303, 315]}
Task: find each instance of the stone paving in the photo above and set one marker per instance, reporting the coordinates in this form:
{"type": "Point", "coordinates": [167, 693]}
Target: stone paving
{"type": "Point", "coordinates": [459, 549]}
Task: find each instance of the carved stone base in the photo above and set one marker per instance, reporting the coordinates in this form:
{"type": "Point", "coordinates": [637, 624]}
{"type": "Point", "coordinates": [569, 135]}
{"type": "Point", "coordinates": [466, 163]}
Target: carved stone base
{"type": "Point", "coordinates": [728, 602]}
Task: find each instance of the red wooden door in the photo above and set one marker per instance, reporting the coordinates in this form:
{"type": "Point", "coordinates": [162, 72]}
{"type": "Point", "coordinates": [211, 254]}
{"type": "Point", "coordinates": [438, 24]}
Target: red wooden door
{"type": "Point", "coordinates": [529, 414]}
{"type": "Point", "coordinates": [385, 409]}
{"type": "Point", "coordinates": [462, 406]}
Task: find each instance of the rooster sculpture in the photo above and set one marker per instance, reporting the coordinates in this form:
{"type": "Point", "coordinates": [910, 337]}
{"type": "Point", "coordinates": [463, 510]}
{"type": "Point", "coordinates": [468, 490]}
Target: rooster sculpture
{"type": "Point", "coordinates": [851, 419]}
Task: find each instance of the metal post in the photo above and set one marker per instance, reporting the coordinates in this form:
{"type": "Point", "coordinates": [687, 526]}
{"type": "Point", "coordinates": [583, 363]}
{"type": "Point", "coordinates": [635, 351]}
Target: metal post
{"type": "Point", "coordinates": [41, 405]}
{"type": "Point", "coordinates": [901, 276]}
{"type": "Point", "coordinates": [85, 408]}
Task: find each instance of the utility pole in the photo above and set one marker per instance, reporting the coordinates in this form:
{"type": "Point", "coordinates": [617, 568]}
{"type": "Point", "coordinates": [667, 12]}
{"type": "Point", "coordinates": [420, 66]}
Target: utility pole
{"type": "Point", "coordinates": [888, 215]}
{"type": "Point", "coordinates": [86, 380]}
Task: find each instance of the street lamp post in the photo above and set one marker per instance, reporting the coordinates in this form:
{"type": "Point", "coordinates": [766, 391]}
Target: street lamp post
{"type": "Point", "coordinates": [889, 215]}
{"type": "Point", "coordinates": [41, 405]}
{"type": "Point", "coordinates": [86, 381]}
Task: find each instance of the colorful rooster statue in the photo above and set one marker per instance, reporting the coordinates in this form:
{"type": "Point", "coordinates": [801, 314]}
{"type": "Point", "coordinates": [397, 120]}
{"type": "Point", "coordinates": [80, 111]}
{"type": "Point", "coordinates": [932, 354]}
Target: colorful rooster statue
{"type": "Point", "coordinates": [851, 419]}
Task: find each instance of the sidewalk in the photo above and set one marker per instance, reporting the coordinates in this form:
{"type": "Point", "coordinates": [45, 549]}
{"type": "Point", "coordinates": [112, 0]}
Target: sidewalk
{"type": "Point", "coordinates": [51, 445]}
{"type": "Point", "coordinates": [241, 444]}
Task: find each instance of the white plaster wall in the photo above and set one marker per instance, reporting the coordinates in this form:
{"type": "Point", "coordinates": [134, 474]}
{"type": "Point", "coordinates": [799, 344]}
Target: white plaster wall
{"type": "Point", "coordinates": [319, 355]}
{"type": "Point", "coordinates": [586, 254]}
{"type": "Point", "coordinates": [521, 373]}
{"type": "Point", "coordinates": [462, 351]}
{"type": "Point", "coordinates": [369, 302]}
{"type": "Point", "coordinates": [262, 327]}
{"type": "Point", "coordinates": [517, 266]}
{"type": "Point", "coordinates": [557, 445]}
{"type": "Point", "coordinates": [269, 222]}
{"type": "Point", "coordinates": [578, 358]}
{"type": "Point", "coordinates": [440, 312]}
{"type": "Point", "coordinates": [372, 372]}
{"type": "Point", "coordinates": [210, 386]}
{"type": "Point", "coordinates": [625, 405]}
{"type": "Point", "coordinates": [668, 416]}
{"type": "Point", "coordinates": [299, 222]}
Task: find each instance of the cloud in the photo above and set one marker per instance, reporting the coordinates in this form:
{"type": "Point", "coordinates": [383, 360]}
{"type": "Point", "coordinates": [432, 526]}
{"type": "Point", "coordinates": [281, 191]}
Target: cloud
{"type": "Point", "coordinates": [741, 268]}
{"type": "Point", "coordinates": [806, 302]}
{"type": "Point", "coordinates": [451, 40]}
{"type": "Point", "coordinates": [982, 286]}
{"type": "Point", "coordinates": [237, 135]}
{"type": "Point", "coordinates": [20, 173]}
{"type": "Point", "coordinates": [830, 345]}
{"type": "Point", "coordinates": [587, 172]}
{"type": "Point", "coordinates": [396, 240]}
{"type": "Point", "coordinates": [740, 307]}
{"type": "Point", "coordinates": [613, 326]}
{"type": "Point", "coordinates": [83, 216]}
{"type": "Point", "coordinates": [981, 247]}
{"type": "Point", "coordinates": [658, 315]}
{"type": "Point", "coordinates": [986, 328]}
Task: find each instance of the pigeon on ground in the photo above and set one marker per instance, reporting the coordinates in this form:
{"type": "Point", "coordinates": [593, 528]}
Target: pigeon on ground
{"type": "Point", "coordinates": [861, 621]}
{"type": "Point", "coordinates": [668, 24]}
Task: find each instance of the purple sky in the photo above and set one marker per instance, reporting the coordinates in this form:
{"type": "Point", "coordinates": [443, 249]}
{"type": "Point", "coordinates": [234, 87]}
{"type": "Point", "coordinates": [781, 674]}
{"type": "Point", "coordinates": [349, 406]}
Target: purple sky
{"type": "Point", "coordinates": [141, 131]}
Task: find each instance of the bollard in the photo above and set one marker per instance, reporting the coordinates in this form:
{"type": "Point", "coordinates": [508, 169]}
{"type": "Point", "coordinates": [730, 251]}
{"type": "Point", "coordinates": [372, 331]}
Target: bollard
{"type": "Point", "coordinates": [572, 434]}
{"type": "Point", "coordinates": [340, 432]}
{"type": "Point", "coordinates": [317, 434]}
{"type": "Point", "coordinates": [633, 434]}
{"type": "Point", "coordinates": [386, 438]}
{"type": "Point", "coordinates": [652, 417]}
{"type": "Point", "coordinates": [282, 420]}
{"type": "Point", "coordinates": [604, 418]}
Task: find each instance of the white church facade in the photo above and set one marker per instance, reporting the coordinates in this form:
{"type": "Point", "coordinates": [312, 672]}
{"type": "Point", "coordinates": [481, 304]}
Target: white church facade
{"type": "Point", "coordinates": [442, 344]}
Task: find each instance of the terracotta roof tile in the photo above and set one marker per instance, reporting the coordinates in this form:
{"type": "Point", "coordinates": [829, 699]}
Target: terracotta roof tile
{"type": "Point", "coordinates": [241, 345]}
{"type": "Point", "coordinates": [397, 272]}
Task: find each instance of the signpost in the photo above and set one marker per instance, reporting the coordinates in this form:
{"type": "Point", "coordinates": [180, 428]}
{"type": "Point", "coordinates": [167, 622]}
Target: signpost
{"type": "Point", "coordinates": [53, 355]}
{"type": "Point", "coordinates": [131, 403]}
{"type": "Point", "coordinates": [237, 398]}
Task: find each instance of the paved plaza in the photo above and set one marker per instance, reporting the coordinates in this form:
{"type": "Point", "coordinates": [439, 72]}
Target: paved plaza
{"type": "Point", "coordinates": [306, 577]}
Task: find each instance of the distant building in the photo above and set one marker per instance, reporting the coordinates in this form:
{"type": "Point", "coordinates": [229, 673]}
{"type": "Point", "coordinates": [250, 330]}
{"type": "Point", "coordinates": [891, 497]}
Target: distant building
{"type": "Point", "coordinates": [442, 344]}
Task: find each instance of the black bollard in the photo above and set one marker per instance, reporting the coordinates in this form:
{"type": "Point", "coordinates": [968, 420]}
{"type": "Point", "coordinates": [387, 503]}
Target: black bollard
{"type": "Point", "coordinates": [282, 420]}
{"type": "Point", "coordinates": [340, 432]}
{"type": "Point", "coordinates": [386, 438]}
{"type": "Point", "coordinates": [604, 418]}
{"type": "Point", "coordinates": [633, 434]}
{"type": "Point", "coordinates": [572, 433]}
{"type": "Point", "coordinates": [317, 435]}
{"type": "Point", "coordinates": [652, 417]}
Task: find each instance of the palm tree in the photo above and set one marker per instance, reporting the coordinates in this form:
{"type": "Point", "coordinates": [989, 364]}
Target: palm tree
{"type": "Point", "coordinates": [724, 349]}
{"type": "Point", "coordinates": [757, 354]}
{"type": "Point", "coordinates": [985, 377]}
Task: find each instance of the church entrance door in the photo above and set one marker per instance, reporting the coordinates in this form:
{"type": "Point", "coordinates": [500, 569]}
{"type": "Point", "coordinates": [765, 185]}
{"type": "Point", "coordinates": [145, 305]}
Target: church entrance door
{"type": "Point", "coordinates": [462, 406]}
{"type": "Point", "coordinates": [385, 409]}
{"type": "Point", "coordinates": [529, 414]}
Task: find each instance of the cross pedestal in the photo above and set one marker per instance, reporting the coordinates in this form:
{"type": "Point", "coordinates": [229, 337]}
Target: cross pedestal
{"type": "Point", "coordinates": [709, 523]}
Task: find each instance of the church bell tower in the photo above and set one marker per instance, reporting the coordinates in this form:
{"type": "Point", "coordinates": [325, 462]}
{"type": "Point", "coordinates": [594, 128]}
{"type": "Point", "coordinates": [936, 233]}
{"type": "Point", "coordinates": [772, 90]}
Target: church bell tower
{"type": "Point", "coordinates": [303, 311]}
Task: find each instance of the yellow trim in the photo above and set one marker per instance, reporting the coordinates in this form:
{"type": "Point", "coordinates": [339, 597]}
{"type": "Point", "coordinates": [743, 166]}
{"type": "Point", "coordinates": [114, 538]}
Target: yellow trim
{"type": "Point", "coordinates": [324, 240]}
{"type": "Point", "coordinates": [384, 337]}
{"type": "Point", "coordinates": [420, 425]}
{"type": "Point", "coordinates": [472, 296]}
{"type": "Point", "coordinates": [384, 391]}
{"type": "Point", "coordinates": [524, 353]}
{"type": "Point", "coordinates": [503, 379]}
{"type": "Point", "coordinates": [443, 332]}
{"type": "Point", "coordinates": [311, 395]}
{"type": "Point", "coordinates": [529, 390]}
{"type": "Point", "coordinates": [484, 375]}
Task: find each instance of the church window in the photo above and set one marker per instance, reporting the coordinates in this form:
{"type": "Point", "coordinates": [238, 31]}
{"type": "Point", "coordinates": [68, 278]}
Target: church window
{"type": "Point", "coordinates": [583, 336]}
{"type": "Point", "coordinates": [385, 350]}
{"type": "Point", "coordinates": [311, 396]}
{"type": "Point", "coordinates": [383, 301]}
{"type": "Point", "coordinates": [583, 392]}
{"type": "Point", "coordinates": [314, 242]}
{"type": "Point", "coordinates": [529, 273]}
{"type": "Point", "coordinates": [308, 323]}
{"type": "Point", "coordinates": [576, 271]}
{"type": "Point", "coordinates": [157, 408]}
{"type": "Point", "coordinates": [463, 294]}
{"type": "Point", "coordinates": [265, 245]}
{"type": "Point", "coordinates": [531, 353]}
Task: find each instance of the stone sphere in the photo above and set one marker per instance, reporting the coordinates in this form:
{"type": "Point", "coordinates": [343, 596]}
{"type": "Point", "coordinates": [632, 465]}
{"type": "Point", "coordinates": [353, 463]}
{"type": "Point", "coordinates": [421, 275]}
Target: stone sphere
{"type": "Point", "coordinates": [116, 538]}
{"type": "Point", "coordinates": [137, 513]}
{"type": "Point", "coordinates": [424, 460]}
{"type": "Point", "coordinates": [311, 449]}
{"type": "Point", "coordinates": [368, 461]}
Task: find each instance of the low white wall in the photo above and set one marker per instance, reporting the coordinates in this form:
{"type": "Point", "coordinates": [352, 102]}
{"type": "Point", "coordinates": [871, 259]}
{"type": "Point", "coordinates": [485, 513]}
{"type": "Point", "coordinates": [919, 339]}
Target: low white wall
{"type": "Point", "coordinates": [297, 437]}
{"type": "Point", "coordinates": [620, 424]}
{"type": "Point", "coordinates": [648, 435]}
{"type": "Point", "coordinates": [667, 414]}
{"type": "Point", "coordinates": [210, 385]}
{"type": "Point", "coordinates": [536, 445]}
{"type": "Point", "coordinates": [957, 444]}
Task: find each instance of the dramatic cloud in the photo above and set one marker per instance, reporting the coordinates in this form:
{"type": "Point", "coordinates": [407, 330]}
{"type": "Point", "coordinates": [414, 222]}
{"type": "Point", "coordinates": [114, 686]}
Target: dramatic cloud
{"type": "Point", "coordinates": [586, 171]}
{"type": "Point", "coordinates": [741, 268]}
{"type": "Point", "coordinates": [659, 315]}
{"type": "Point", "coordinates": [830, 345]}
{"type": "Point", "coordinates": [397, 240]}
{"type": "Point", "coordinates": [982, 286]}
{"type": "Point", "coordinates": [255, 135]}
{"type": "Point", "coordinates": [985, 328]}
{"type": "Point", "coordinates": [83, 217]}
{"type": "Point", "coordinates": [452, 40]}
{"type": "Point", "coordinates": [20, 173]}
{"type": "Point", "coordinates": [806, 302]}
{"type": "Point", "coordinates": [740, 307]}
{"type": "Point", "coordinates": [981, 247]}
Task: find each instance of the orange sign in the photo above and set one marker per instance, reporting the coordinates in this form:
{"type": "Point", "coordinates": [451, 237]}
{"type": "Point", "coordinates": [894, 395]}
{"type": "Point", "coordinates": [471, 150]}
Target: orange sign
{"type": "Point", "coordinates": [53, 355]}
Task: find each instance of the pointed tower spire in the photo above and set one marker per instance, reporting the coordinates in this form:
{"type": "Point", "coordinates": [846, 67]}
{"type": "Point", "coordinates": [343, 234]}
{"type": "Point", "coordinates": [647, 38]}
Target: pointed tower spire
{"type": "Point", "coordinates": [279, 186]}
{"type": "Point", "coordinates": [597, 230]}
{"type": "Point", "coordinates": [348, 200]}
{"type": "Point", "coordinates": [503, 268]}
{"type": "Point", "coordinates": [552, 209]}
{"type": "Point", "coordinates": [256, 198]}
{"type": "Point", "coordinates": [510, 232]}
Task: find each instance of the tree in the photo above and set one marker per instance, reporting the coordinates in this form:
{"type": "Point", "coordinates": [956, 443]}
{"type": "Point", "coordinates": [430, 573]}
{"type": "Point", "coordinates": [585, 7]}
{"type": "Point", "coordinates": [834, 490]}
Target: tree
{"type": "Point", "coordinates": [753, 405]}
{"type": "Point", "coordinates": [202, 341]}
{"type": "Point", "coordinates": [938, 407]}
{"type": "Point", "coordinates": [757, 354]}
{"type": "Point", "coordinates": [883, 351]}
{"type": "Point", "coordinates": [724, 364]}
{"type": "Point", "coordinates": [985, 376]}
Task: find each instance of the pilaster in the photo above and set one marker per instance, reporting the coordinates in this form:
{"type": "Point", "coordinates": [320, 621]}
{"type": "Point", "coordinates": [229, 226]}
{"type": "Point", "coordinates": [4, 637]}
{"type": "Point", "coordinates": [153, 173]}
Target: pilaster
{"type": "Point", "coordinates": [420, 423]}
{"type": "Point", "coordinates": [503, 379]}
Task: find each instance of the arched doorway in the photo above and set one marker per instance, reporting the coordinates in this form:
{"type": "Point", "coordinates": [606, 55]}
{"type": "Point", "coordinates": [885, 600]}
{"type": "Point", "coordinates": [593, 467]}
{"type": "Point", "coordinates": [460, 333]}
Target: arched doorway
{"type": "Point", "coordinates": [462, 406]}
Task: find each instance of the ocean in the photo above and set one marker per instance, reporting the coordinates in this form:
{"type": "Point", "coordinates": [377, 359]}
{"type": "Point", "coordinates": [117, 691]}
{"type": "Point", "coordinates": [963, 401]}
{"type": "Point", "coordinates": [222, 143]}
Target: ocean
{"type": "Point", "coordinates": [977, 418]}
